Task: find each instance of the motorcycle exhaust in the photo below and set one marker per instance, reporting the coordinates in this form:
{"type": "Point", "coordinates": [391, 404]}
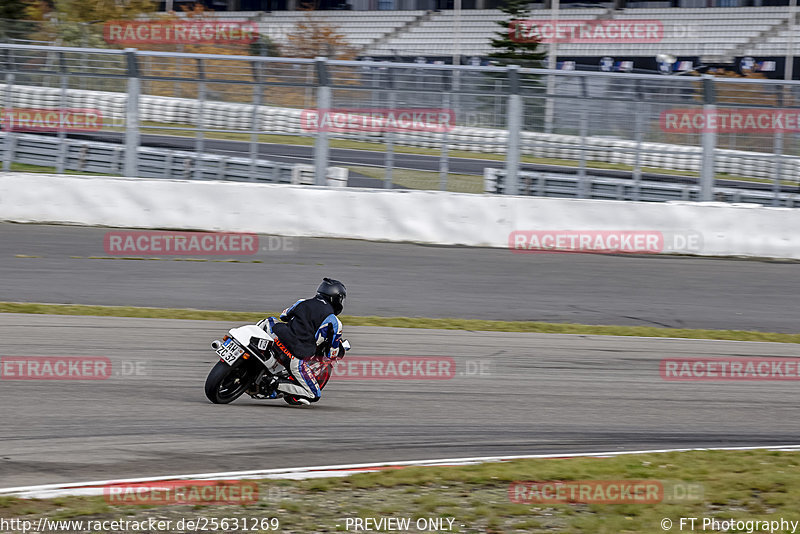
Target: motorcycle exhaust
{"type": "Point", "coordinates": [216, 344]}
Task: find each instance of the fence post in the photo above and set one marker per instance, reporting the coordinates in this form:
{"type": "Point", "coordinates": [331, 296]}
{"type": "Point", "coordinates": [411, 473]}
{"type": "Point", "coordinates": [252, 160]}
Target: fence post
{"type": "Point", "coordinates": [584, 186]}
{"type": "Point", "coordinates": [10, 137]}
{"type": "Point", "coordinates": [63, 147]}
{"type": "Point", "coordinates": [777, 149]}
{"type": "Point", "coordinates": [709, 141]}
{"type": "Point", "coordinates": [639, 133]}
{"type": "Point", "coordinates": [514, 126]}
{"type": "Point", "coordinates": [132, 115]}
{"type": "Point", "coordinates": [199, 138]}
{"type": "Point", "coordinates": [444, 153]}
{"type": "Point", "coordinates": [321, 145]}
{"type": "Point", "coordinates": [255, 122]}
{"type": "Point", "coordinates": [389, 159]}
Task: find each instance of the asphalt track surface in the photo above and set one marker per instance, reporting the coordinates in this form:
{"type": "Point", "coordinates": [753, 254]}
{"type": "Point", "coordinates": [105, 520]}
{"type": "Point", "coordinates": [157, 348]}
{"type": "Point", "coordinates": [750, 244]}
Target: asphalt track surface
{"type": "Point", "coordinates": [537, 394]}
{"type": "Point", "coordinates": [393, 279]}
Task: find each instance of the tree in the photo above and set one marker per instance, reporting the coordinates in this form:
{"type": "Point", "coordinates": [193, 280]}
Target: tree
{"type": "Point", "coordinates": [312, 38]}
{"type": "Point", "coordinates": [12, 23]}
{"type": "Point", "coordinates": [508, 51]}
{"type": "Point", "coordinates": [101, 10]}
{"type": "Point", "coordinates": [265, 46]}
{"type": "Point", "coordinates": [522, 52]}
{"type": "Point", "coordinates": [78, 22]}
{"type": "Point", "coordinates": [12, 9]}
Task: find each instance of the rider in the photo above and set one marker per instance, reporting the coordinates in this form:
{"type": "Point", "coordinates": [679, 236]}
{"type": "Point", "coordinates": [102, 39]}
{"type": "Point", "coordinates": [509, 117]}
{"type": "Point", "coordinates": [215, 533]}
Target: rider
{"type": "Point", "coordinates": [308, 323]}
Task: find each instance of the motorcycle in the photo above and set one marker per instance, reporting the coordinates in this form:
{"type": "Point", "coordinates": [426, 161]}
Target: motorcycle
{"type": "Point", "coordinates": [249, 358]}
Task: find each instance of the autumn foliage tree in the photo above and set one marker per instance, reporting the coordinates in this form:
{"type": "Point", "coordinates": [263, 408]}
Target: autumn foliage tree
{"type": "Point", "coordinates": [100, 10]}
{"type": "Point", "coordinates": [79, 22]}
{"type": "Point", "coordinates": [313, 38]}
{"type": "Point", "coordinates": [12, 9]}
{"type": "Point", "coordinates": [12, 23]}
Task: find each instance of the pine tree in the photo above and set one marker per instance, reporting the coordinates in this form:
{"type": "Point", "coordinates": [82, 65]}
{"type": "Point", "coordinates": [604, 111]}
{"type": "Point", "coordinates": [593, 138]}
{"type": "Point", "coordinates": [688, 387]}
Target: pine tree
{"type": "Point", "coordinates": [508, 51]}
{"type": "Point", "coordinates": [525, 54]}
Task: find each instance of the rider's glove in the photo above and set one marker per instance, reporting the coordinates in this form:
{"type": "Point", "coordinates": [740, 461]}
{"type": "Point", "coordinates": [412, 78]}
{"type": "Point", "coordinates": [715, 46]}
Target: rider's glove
{"type": "Point", "coordinates": [338, 348]}
{"type": "Point", "coordinates": [267, 324]}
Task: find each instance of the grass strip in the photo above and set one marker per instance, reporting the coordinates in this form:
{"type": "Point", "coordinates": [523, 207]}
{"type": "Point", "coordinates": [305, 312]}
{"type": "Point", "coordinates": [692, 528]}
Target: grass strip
{"type": "Point", "coordinates": [404, 322]}
{"type": "Point", "coordinates": [740, 485]}
{"type": "Point", "coordinates": [459, 183]}
{"type": "Point", "coordinates": [27, 167]}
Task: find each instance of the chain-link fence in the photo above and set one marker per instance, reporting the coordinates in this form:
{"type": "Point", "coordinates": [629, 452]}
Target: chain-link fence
{"type": "Point", "coordinates": [198, 116]}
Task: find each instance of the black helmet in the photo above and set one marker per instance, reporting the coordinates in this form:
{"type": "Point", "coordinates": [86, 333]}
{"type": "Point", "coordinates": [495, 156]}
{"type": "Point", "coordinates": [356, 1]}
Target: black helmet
{"type": "Point", "coordinates": [334, 292]}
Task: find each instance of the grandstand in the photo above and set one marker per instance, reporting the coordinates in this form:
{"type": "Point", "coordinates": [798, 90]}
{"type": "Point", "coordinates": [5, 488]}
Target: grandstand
{"type": "Point", "coordinates": [705, 35]}
{"type": "Point", "coordinates": [775, 44]}
{"type": "Point", "coordinates": [718, 34]}
{"type": "Point", "coordinates": [362, 29]}
{"type": "Point", "coordinates": [435, 35]}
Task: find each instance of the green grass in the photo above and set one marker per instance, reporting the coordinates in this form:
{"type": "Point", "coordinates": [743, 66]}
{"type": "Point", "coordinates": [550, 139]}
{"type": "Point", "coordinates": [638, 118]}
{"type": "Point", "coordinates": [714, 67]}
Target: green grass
{"type": "Point", "coordinates": [460, 183]}
{"type": "Point", "coordinates": [403, 322]}
{"type": "Point", "coordinates": [26, 167]}
{"type": "Point", "coordinates": [748, 485]}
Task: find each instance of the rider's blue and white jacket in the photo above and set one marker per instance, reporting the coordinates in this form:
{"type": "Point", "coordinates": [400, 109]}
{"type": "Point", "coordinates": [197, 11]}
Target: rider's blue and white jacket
{"type": "Point", "coordinates": [308, 324]}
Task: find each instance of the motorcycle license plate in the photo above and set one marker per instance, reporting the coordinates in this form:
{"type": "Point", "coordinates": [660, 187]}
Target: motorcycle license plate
{"type": "Point", "coordinates": [230, 351]}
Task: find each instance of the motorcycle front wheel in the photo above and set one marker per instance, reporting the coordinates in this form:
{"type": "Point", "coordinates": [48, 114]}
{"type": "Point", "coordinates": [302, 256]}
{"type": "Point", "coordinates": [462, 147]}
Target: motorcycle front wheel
{"type": "Point", "coordinates": [226, 384]}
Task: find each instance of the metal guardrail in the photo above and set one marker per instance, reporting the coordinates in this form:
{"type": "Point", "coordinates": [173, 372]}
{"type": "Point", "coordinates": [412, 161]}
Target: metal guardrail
{"type": "Point", "coordinates": [108, 158]}
{"type": "Point", "coordinates": [544, 184]}
{"type": "Point", "coordinates": [584, 106]}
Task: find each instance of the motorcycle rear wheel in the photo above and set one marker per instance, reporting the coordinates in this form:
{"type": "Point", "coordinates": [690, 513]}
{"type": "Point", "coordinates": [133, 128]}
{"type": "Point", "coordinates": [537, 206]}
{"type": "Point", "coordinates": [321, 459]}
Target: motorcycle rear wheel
{"type": "Point", "coordinates": [225, 384]}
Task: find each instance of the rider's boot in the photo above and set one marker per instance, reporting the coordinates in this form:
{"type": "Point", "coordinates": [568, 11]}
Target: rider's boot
{"type": "Point", "coordinates": [300, 400]}
{"type": "Point", "coordinates": [271, 388]}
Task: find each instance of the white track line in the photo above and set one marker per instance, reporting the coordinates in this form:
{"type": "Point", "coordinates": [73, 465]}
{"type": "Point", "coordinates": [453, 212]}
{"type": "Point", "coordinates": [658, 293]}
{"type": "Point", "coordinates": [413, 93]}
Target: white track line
{"type": "Point", "coordinates": [300, 473]}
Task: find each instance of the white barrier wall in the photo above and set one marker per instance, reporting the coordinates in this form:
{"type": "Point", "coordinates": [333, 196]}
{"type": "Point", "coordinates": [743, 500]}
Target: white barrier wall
{"type": "Point", "coordinates": [372, 214]}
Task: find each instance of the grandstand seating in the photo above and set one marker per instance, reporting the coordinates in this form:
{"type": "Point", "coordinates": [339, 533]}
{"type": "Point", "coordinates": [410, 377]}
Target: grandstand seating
{"type": "Point", "coordinates": [721, 33]}
{"type": "Point", "coordinates": [724, 32]}
{"type": "Point", "coordinates": [436, 35]}
{"type": "Point", "coordinates": [775, 44]}
{"type": "Point", "coordinates": [361, 28]}
{"type": "Point", "coordinates": [705, 32]}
